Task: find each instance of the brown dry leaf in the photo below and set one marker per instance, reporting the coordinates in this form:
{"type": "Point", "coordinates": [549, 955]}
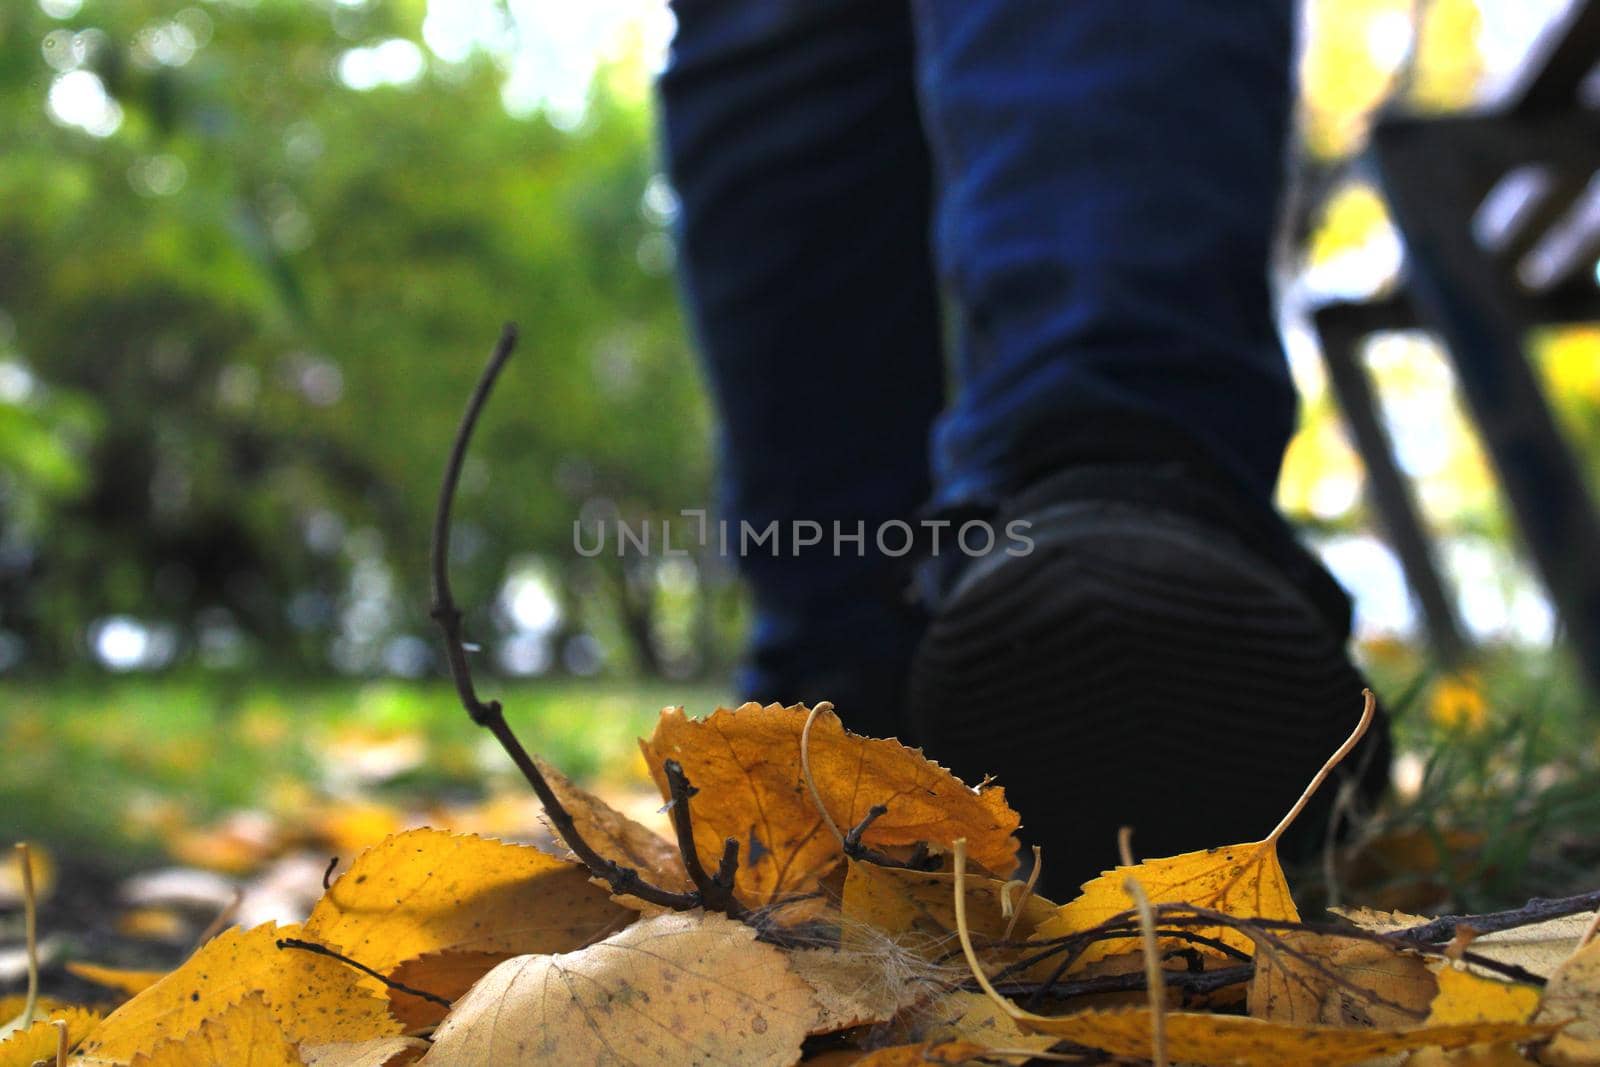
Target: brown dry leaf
{"type": "Point", "coordinates": [38, 1042]}
{"type": "Point", "coordinates": [124, 981]}
{"type": "Point", "coordinates": [1377, 921]}
{"type": "Point", "coordinates": [899, 902]}
{"type": "Point", "coordinates": [428, 891]}
{"type": "Point", "coordinates": [313, 998]}
{"type": "Point", "coordinates": [1231, 1039]}
{"type": "Point", "coordinates": [444, 974]}
{"type": "Point", "coordinates": [1573, 993]}
{"type": "Point", "coordinates": [927, 1054]}
{"type": "Point", "coordinates": [379, 1052]}
{"type": "Point", "coordinates": [245, 1034]}
{"type": "Point", "coordinates": [853, 988]}
{"type": "Point", "coordinates": [617, 837]}
{"type": "Point", "coordinates": [1242, 880]}
{"type": "Point", "coordinates": [746, 765]}
{"type": "Point", "coordinates": [1474, 1056]}
{"type": "Point", "coordinates": [675, 988]}
{"type": "Point", "coordinates": [1329, 980]}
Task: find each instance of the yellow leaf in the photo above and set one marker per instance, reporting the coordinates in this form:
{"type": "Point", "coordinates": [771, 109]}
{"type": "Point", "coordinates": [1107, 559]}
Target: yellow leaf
{"type": "Point", "coordinates": [427, 891]}
{"type": "Point", "coordinates": [899, 902]}
{"type": "Point", "coordinates": [1231, 1039]}
{"type": "Point", "coordinates": [1325, 979]}
{"type": "Point", "coordinates": [1242, 880]}
{"type": "Point", "coordinates": [1538, 947]}
{"type": "Point", "coordinates": [617, 837]}
{"type": "Point", "coordinates": [245, 1034]}
{"type": "Point", "coordinates": [313, 998]}
{"type": "Point", "coordinates": [120, 979]}
{"type": "Point", "coordinates": [1573, 993]}
{"type": "Point", "coordinates": [1469, 998]}
{"type": "Point", "coordinates": [378, 1052]}
{"type": "Point", "coordinates": [676, 988]}
{"type": "Point", "coordinates": [746, 765]}
{"type": "Point", "coordinates": [38, 1042]}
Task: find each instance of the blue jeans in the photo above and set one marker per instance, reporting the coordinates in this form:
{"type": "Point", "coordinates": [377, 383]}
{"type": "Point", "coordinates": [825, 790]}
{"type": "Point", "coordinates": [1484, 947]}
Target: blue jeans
{"type": "Point", "coordinates": [1071, 199]}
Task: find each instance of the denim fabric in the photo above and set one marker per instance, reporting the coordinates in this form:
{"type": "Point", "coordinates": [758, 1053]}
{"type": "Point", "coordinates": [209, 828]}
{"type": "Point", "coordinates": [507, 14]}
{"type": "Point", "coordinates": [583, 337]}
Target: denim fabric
{"type": "Point", "coordinates": [1082, 192]}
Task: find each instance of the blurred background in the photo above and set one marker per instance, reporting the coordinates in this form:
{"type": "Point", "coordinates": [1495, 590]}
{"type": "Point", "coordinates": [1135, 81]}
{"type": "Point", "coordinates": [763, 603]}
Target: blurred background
{"type": "Point", "coordinates": [252, 256]}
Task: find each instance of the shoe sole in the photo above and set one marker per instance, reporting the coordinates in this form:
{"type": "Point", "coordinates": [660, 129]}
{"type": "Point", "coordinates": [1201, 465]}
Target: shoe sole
{"type": "Point", "coordinates": [1137, 669]}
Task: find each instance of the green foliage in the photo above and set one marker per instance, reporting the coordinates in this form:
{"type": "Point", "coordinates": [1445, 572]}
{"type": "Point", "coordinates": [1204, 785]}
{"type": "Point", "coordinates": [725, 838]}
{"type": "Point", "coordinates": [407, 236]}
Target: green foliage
{"type": "Point", "coordinates": [260, 302]}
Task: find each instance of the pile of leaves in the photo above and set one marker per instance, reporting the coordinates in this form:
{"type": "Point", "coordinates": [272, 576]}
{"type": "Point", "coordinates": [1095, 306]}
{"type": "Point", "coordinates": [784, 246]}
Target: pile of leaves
{"type": "Point", "coordinates": [864, 907]}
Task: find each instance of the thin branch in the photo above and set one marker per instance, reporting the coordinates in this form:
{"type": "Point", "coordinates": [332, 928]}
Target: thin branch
{"type": "Point", "coordinates": [624, 881]}
{"type": "Point", "coordinates": [715, 893]}
{"type": "Point", "coordinates": [1130, 982]}
{"type": "Point", "coordinates": [1537, 910]}
{"type": "Point", "coordinates": [324, 950]}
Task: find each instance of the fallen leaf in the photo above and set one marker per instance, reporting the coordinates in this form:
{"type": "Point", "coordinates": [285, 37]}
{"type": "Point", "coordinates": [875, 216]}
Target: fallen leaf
{"type": "Point", "coordinates": [444, 974]}
{"type": "Point", "coordinates": [926, 1054]}
{"type": "Point", "coordinates": [1231, 1039]}
{"type": "Point", "coordinates": [245, 1034]}
{"type": "Point", "coordinates": [1573, 993]}
{"type": "Point", "coordinates": [617, 837]}
{"type": "Point", "coordinates": [1325, 979]}
{"type": "Point", "coordinates": [887, 900]}
{"type": "Point", "coordinates": [313, 998]}
{"type": "Point", "coordinates": [38, 1042]}
{"type": "Point", "coordinates": [378, 1052]}
{"type": "Point", "coordinates": [853, 988]}
{"type": "Point", "coordinates": [1376, 921]}
{"type": "Point", "coordinates": [974, 1018]}
{"type": "Point", "coordinates": [1465, 997]}
{"type": "Point", "coordinates": [745, 764]}
{"type": "Point", "coordinates": [127, 982]}
{"type": "Point", "coordinates": [675, 988]}
{"type": "Point", "coordinates": [1242, 880]}
{"type": "Point", "coordinates": [427, 891]}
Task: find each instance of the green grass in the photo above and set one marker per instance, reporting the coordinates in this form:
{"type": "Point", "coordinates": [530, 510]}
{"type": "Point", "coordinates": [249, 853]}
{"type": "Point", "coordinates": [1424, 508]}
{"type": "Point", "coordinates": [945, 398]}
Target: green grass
{"type": "Point", "coordinates": [92, 764]}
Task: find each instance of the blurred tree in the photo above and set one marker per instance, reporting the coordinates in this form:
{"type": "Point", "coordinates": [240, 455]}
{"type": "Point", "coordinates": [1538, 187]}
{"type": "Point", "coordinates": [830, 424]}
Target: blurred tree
{"type": "Point", "coordinates": [254, 254]}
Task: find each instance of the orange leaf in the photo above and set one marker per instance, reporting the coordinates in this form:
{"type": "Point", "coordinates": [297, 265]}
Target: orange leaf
{"type": "Point", "coordinates": [745, 764]}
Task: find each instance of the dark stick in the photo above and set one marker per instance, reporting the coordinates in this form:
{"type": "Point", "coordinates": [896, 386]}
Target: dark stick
{"type": "Point", "coordinates": [1539, 909]}
{"type": "Point", "coordinates": [716, 893]}
{"type": "Point", "coordinates": [1189, 981]}
{"type": "Point", "coordinates": [851, 846]}
{"type": "Point", "coordinates": [327, 874]}
{"type": "Point", "coordinates": [324, 950]}
{"type": "Point", "coordinates": [623, 880]}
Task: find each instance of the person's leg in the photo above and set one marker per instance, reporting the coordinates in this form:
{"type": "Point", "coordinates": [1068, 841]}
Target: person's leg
{"type": "Point", "coordinates": [792, 137]}
{"type": "Point", "coordinates": [1108, 177]}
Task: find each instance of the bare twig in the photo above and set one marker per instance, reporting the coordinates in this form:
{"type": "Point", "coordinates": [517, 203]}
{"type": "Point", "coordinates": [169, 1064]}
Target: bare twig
{"type": "Point", "coordinates": [327, 874]}
{"type": "Point", "coordinates": [324, 950]}
{"type": "Point", "coordinates": [716, 892]}
{"type": "Point", "coordinates": [623, 880]}
{"type": "Point", "coordinates": [1129, 982]}
{"type": "Point", "coordinates": [1537, 910]}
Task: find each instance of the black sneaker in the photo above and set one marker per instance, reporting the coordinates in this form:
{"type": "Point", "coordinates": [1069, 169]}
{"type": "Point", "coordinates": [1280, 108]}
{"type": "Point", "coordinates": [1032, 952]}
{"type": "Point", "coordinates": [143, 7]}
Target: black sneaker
{"type": "Point", "coordinates": [1158, 659]}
